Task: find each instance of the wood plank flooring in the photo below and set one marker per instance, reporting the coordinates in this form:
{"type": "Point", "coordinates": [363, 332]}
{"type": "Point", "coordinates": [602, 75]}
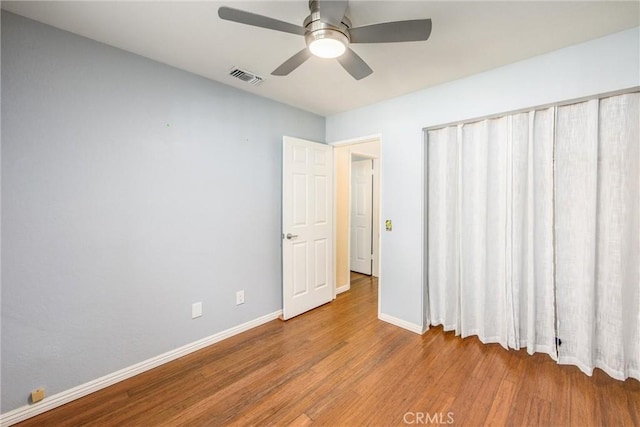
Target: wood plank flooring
{"type": "Point", "coordinates": [340, 365]}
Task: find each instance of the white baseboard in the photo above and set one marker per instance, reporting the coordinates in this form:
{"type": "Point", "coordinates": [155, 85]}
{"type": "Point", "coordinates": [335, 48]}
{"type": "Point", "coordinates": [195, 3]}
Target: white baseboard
{"type": "Point", "coordinates": [59, 399]}
{"type": "Point", "coordinates": [343, 288]}
{"type": "Point", "coordinates": [418, 329]}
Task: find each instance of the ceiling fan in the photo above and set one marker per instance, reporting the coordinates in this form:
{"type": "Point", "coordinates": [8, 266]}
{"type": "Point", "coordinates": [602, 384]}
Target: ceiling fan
{"type": "Point", "coordinates": [328, 33]}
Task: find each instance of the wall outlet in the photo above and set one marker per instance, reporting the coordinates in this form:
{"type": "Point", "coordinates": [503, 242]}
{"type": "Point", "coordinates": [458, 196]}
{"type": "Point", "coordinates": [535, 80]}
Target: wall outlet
{"type": "Point", "coordinates": [196, 310]}
{"type": "Point", "coordinates": [37, 395]}
{"type": "Point", "coordinates": [240, 297]}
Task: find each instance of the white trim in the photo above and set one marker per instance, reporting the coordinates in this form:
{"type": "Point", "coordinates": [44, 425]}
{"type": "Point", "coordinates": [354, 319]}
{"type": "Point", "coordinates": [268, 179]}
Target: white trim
{"type": "Point", "coordinates": [334, 227]}
{"type": "Point", "coordinates": [377, 211]}
{"type": "Point", "coordinates": [28, 411]}
{"type": "Point", "coordinates": [359, 140]}
{"type": "Point", "coordinates": [343, 288]}
{"type": "Point", "coordinates": [412, 327]}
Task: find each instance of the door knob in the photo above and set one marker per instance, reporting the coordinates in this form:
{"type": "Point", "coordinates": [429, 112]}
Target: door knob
{"type": "Point", "coordinates": [291, 236]}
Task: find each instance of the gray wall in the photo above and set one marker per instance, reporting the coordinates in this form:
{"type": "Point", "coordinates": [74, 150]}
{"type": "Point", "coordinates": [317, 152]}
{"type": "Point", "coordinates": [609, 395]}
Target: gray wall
{"type": "Point", "coordinates": [130, 190]}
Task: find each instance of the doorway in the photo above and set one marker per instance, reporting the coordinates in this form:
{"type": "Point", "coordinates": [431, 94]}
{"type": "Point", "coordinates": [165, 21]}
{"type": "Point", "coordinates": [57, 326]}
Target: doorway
{"type": "Point", "coordinates": [345, 154]}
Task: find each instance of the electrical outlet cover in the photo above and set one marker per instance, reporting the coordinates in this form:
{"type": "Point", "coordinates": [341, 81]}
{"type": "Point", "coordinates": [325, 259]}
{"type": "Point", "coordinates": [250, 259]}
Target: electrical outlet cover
{"type": "Point", "coordinates": [196, 310]}
{"type": "Point", "coordinates": [37, 395]}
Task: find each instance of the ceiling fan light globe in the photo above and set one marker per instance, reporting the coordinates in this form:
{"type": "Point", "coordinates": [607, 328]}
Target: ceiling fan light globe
{"type": "Point", "coordinates": [327, 42]}
{"type": "Point", "coordinates": [327, 48]}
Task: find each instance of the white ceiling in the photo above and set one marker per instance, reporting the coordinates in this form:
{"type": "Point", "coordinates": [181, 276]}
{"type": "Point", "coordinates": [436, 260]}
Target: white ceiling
{"type": "Point", "coordinates": [467, 38]}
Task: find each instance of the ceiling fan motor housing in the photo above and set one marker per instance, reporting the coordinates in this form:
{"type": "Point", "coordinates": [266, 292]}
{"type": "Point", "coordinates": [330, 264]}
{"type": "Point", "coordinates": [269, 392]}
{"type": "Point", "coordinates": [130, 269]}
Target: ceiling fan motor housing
{"type": "Point", "coordinates": [316, 29]}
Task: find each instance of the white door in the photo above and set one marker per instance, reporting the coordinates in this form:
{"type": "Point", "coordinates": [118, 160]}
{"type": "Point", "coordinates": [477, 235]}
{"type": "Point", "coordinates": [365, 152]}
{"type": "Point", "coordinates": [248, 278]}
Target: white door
{"type": "Point", "coordinates": [307, 226]}
{"type": "Point", "coordinates": [361, 215]}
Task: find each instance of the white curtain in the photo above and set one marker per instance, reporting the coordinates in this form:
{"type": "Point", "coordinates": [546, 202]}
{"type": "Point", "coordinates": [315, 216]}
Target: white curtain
{"type": "Point", "coordinates": [443, 251]}
{"type": "Point", "coordinates": [490, 230]}
{"type": "Point", "coordinates": [534, 232]}
{"type": "Point", "coordinates": [598, 235]}
{"type": "Point", "coordinates": [483, 210]}
{"type": "Point", "coordinates": [531, 231]}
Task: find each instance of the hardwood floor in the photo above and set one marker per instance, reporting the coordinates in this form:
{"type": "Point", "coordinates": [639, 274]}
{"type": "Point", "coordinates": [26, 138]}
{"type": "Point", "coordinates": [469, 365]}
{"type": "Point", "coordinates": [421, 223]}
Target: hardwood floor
{"type": "Point", "coordinates": [339, 365]}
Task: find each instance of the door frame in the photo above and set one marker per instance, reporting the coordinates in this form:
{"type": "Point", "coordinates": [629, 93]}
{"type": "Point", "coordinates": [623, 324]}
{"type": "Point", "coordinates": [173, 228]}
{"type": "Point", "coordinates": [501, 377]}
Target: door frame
{"type": "Point", "coordinates": [377, 212]}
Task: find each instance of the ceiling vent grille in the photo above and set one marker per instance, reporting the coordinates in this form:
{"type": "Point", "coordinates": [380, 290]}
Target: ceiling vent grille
{"type": "Point", "coordinates": [246, 76]}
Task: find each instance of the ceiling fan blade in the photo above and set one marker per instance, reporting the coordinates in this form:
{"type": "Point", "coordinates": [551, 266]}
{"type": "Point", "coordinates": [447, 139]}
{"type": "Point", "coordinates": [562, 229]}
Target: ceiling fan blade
{"type": "Point", "coordinates": [354, 65]}
{"type": "Point", "coordinates": [390, 32]}
{"type": "Point", "coordinates": [332, 12]}
{"type": "Point", "coordinates": [292, 63]}
{"type": "Point", "coordinates": [236, 15]}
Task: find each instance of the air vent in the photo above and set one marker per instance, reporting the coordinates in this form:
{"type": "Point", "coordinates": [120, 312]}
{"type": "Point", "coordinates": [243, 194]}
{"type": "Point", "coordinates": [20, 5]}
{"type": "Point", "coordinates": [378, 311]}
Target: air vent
{"type": "Point", "coordinates": [246, 76]}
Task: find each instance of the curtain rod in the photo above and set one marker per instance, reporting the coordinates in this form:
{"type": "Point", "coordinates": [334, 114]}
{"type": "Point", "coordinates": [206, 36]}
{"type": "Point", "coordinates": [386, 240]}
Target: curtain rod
{"type": "Point", "coordinates": [538, 107]}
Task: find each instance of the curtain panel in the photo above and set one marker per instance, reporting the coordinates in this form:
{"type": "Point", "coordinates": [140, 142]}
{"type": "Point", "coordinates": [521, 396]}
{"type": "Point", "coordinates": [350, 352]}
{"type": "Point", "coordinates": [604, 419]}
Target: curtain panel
{"type": "Point", "coordinates": [533, 232]}
{"type": "Point", "coordinates": [597, 235]}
